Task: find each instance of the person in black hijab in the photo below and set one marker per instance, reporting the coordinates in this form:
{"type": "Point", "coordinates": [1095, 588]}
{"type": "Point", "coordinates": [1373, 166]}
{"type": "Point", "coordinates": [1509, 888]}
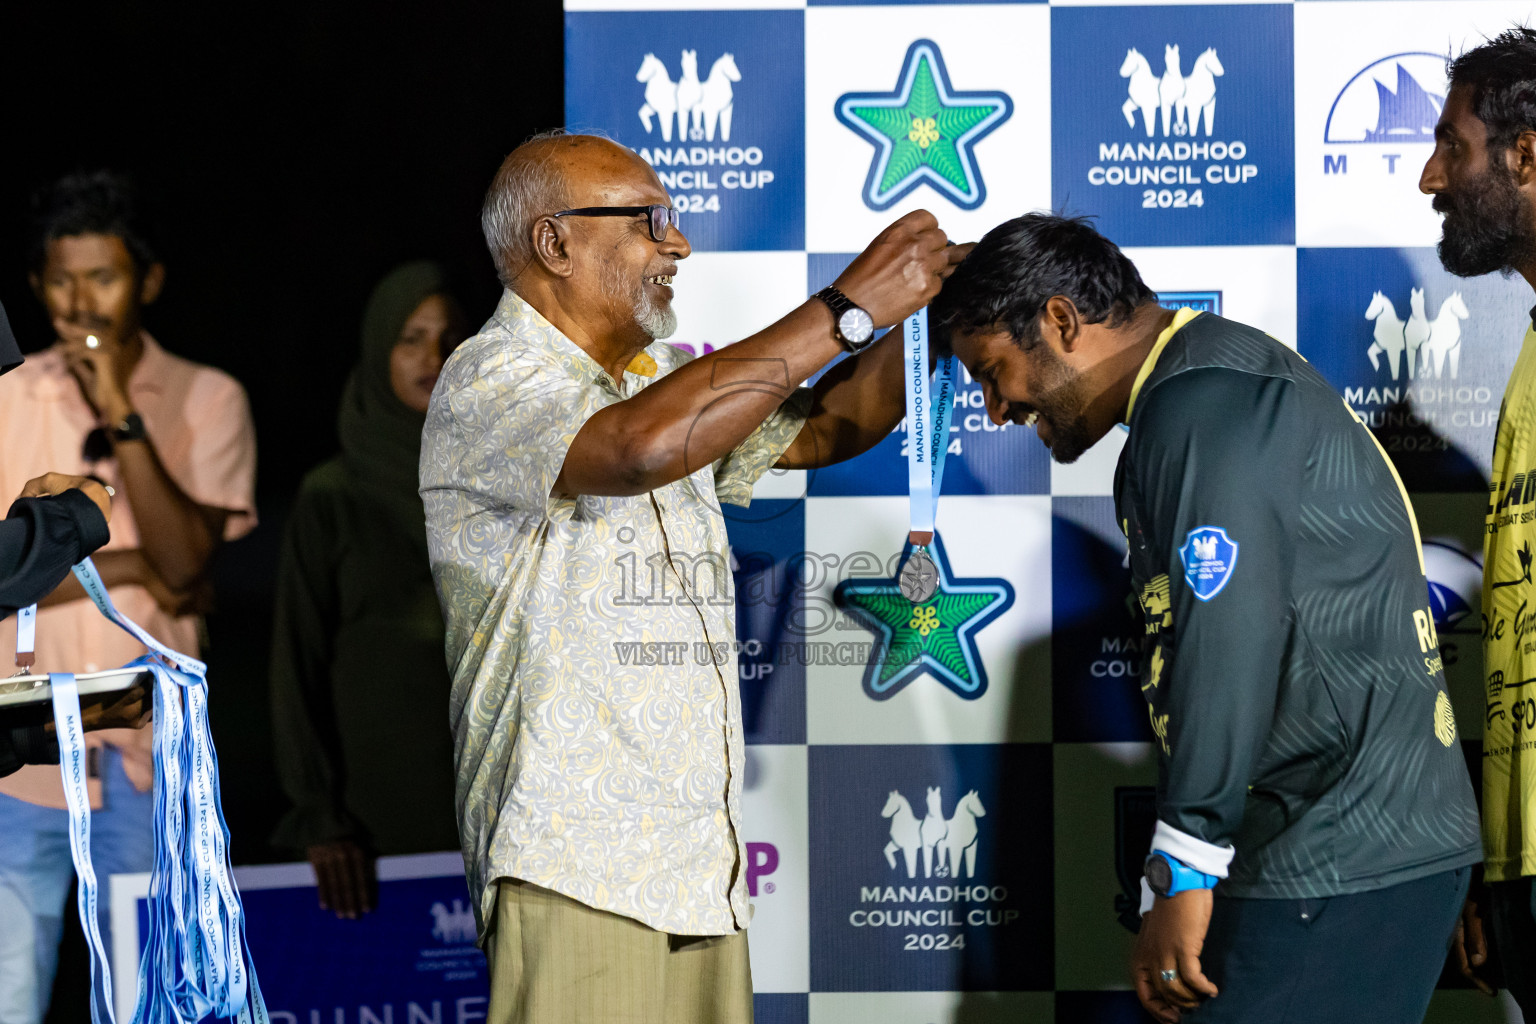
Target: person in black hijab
{"type": "Point", "coordinates": [359, 685]}
{"type": "Point", "coordinates": [57, 521]}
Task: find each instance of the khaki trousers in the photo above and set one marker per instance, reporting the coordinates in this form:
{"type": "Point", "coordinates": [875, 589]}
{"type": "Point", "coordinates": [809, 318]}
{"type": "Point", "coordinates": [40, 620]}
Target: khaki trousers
{"type": "Point", "coordinates": [556, 961]}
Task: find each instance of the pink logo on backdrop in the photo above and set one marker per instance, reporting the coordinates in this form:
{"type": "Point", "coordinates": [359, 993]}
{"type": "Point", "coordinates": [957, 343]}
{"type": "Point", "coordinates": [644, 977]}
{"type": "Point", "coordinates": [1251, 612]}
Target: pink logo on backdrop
{"type": "Point", "coordinates": [762, 859]}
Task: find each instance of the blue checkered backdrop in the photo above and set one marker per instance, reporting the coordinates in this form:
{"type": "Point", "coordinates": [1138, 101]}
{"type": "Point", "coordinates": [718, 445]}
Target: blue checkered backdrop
{"type": "Point", "coordinates": [959, 838]}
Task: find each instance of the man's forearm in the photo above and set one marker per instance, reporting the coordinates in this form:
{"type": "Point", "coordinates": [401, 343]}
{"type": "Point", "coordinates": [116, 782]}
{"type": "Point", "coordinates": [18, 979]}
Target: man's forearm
{"type": "Point", "coordinates": [857, 403]}
{"type": "Point", "coordinates": [176, 534]}
{"type": "Point", "coordinates": [117, 569]}
{"type": "Point", "coordinates": [700, 412]}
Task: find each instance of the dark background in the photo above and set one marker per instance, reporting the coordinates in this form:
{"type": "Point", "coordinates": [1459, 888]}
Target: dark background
{"type": "Point", "coordinates": [291, 153]}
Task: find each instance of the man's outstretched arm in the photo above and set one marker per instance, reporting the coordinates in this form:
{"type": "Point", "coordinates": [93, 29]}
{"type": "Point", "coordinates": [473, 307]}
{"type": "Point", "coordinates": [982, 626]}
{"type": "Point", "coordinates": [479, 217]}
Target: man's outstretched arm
{"type": "Point", "coordinates": [702, 411]}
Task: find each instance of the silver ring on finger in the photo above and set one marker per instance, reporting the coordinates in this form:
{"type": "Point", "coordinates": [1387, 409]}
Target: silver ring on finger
{"type": "Point", "coordinates": [1169, 975]}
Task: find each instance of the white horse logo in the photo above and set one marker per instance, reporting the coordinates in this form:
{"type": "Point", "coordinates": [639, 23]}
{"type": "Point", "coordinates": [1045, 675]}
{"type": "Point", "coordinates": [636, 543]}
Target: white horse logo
{"type": "Point", "coordinates": [660, 97]}
{"type": "Point", "coordinates": [700, 107]}
{"type": "Point", "coordinates": [1143, 90]}
{"type": "Point", "coordinates": [1171, 89]}
{"type": "Point", "coordinates": [688, 93]}
{"type": "Point", "coordinates": [1200, 93]}
{"type": "Point", "coordinates": [960, 835]}
{"type": "Point", "coordinates": [932, 831]}
{"type": "Point", "coordinates": [1415, 331]}
{"type": "Point", "coordinates": [1388, 334]}
{"type": "Point", "coordinates": [1431, 346]}
{"type": "Point", "coordinates": [717, 100]}
{"type": "Point", "coordinates": [1181, 101]}
{"type": "Point", "coordinates": [905, 832]}
{"type": "Point", "coordinates": [954, 839]}
{"type": "Point", "coordinates": [453, 926]}
{"type": "Point", "coordinates": [1444, 343]}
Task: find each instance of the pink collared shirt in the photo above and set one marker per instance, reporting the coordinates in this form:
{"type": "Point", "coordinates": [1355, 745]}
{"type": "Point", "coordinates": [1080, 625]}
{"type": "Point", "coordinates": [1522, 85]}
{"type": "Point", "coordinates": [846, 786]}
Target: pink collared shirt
{"type": "Point", "coordinates": [199, 421]}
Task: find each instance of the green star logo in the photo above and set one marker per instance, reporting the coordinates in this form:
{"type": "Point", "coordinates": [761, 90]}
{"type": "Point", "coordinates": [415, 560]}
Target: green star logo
{"type": "Point", "coordinates": [936, 638]}
{"type": "Point", "coordinates": [924, 132]}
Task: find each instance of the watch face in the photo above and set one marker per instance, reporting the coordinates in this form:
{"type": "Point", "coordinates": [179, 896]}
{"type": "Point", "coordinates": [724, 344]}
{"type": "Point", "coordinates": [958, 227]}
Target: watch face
{"type": "Point", "coordinates": [1159, 875]}
{"type": "Point", "coordinates": [856, 325]}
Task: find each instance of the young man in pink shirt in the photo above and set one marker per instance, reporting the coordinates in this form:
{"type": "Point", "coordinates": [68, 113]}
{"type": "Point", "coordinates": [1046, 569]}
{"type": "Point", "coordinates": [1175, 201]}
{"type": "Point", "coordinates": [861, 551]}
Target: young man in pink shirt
{"type": "Point", "coordinates": [175, 439]}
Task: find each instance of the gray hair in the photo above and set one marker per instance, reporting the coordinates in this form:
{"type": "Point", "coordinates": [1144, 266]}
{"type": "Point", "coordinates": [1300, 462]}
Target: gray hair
{"type": "Point", "coordinates": [528, 186]}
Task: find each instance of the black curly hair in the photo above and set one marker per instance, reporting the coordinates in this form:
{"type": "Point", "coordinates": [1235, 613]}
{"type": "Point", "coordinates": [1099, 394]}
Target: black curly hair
{"type": "Point", "coordinates": [90, 203]}
{"type": "Point", "coordinates": [1502, 76]}
{"type": "Point", "coordinates": [1020, 264]}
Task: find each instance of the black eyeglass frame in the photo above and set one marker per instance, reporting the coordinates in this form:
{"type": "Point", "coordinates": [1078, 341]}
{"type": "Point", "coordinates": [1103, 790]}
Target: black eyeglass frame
{"type": "Point", "coordinates": [661, 216]}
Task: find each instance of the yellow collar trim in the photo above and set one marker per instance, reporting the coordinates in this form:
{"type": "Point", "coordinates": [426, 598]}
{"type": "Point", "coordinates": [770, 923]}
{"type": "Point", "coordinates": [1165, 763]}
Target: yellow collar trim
{"type": "Point", "coordinates": [1182, 317]}
{"type": "Point", "coordinates": [642, 365]}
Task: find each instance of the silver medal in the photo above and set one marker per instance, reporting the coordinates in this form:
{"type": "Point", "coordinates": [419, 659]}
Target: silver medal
{"type": "Point", "coordinates": [919, 578]}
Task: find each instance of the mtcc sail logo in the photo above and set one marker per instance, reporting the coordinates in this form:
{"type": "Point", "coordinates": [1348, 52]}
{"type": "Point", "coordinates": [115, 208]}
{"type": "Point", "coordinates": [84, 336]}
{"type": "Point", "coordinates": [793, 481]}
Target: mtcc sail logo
{"type": "Point", "coordinates": [947, 844]}
{"type": "Point", "coordinates": [701, 107]}
{"type": "Point", "coordinates": [1184, 102]}
{"type": "Point", "coordinates": [924, 132]}
{"type": "Point", "coordinates": [1417, 347]}
{"type": "Point", "coordinates": [1391, 103]}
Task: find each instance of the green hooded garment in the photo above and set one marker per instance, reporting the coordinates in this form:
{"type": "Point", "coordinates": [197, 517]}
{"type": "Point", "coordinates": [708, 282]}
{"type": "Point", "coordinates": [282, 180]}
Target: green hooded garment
{"type": "Point", "coordinates": [359, 684]}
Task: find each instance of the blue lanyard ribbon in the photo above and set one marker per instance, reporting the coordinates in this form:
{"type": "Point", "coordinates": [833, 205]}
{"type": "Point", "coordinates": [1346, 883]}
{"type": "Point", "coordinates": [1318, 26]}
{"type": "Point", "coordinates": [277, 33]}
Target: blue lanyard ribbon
{"type": "Point", "coordinates": [71, 734]}
{"type": "Point", "coordinates": [930, 407]}
{"type": "Point", "coordinates": [196, 960]}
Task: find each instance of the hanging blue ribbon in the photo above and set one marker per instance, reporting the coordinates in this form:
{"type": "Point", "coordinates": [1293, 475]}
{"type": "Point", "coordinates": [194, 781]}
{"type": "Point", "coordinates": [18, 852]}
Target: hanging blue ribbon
{"type": "Point", "coordinates": [196, 960]}
{"type": "Point", "coordinates": [930, 407]}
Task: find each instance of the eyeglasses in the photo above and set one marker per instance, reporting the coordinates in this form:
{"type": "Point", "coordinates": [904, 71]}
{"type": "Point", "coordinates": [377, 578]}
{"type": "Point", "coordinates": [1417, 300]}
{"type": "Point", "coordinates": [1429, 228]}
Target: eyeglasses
{"type": "Point", "coordinates": [662, 217]}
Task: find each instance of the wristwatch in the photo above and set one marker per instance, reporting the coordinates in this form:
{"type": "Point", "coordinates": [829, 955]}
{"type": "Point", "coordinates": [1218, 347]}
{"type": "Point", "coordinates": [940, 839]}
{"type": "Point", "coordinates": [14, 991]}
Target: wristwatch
{"type": "Point", "coordinates": [131, 429]}
{"type": "Point", "coordinates": [1169, 876]}
{"type": "Point", "coordinates": [854, 327]}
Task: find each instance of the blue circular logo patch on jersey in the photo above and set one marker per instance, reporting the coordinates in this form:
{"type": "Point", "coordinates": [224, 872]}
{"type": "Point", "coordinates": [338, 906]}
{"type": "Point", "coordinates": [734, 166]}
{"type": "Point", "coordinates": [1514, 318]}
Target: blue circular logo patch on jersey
{"type": "Point", "coordinates": [1209, 556]}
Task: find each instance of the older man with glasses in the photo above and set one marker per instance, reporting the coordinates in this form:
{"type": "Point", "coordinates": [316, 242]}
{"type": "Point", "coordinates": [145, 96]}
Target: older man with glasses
{"type": "Point", "coordinates": [572, 469]}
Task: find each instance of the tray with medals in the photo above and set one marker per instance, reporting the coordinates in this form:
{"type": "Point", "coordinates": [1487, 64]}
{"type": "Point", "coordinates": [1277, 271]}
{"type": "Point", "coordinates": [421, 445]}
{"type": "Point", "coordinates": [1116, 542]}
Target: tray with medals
{"type": "Point", "coordinates": [23, 697]}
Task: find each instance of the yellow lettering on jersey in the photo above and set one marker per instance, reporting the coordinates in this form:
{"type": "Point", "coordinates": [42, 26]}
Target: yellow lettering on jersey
{"type": "Point", "coordinates": [1155, 671]}
{"type": "Point", "coordinates": [1424, 625]}
{"type": "Point", "coordinates": [1159, 727]}
{"type": "Point", "coordinates": [1156, 604]}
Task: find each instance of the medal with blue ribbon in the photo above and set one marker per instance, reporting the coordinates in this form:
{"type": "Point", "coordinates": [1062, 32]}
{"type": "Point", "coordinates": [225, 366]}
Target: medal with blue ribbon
{"type": "Point", "coordinates": [930, 405]}
{"type": "Point", "coordinates": [196, 960]}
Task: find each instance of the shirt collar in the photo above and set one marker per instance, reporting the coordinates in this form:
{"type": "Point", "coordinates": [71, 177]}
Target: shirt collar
{"type": "Point", "coordinates": [517, 316]}
{"type": "Point", "coordinates": [1182, 317]}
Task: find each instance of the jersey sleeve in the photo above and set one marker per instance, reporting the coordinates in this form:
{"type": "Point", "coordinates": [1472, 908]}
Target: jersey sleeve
{"type": "Point", "coordinates": [1216, 460]}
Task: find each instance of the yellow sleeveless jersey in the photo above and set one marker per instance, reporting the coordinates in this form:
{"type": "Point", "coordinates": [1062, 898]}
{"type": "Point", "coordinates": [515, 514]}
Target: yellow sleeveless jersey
{"type": "Point", "coordinates": [1509, 633]}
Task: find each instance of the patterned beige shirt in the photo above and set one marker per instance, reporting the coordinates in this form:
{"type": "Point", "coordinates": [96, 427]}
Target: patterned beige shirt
{"type": "Point", "coordinates": [588, 762]}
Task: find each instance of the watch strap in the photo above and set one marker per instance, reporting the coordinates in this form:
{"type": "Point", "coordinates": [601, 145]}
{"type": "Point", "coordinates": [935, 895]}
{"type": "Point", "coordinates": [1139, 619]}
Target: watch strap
{"type": "Point", "coordinates": [840, 304]}
{"type": "Point", "coordinates": [836, 301]}
{"type": "Point", "coordinates": [130, 429]}
{"type": "Point", "coordinates": [1184, 877]}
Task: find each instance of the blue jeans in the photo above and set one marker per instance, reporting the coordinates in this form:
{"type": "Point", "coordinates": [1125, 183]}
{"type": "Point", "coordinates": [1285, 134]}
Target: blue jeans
{"type": "Point", "coordinates": [35, 876]}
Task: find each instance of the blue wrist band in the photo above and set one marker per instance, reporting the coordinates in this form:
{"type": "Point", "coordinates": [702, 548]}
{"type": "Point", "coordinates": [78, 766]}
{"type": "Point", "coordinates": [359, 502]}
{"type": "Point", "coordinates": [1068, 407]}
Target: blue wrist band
{"type": "Point", "coordinates": [1184, 876]}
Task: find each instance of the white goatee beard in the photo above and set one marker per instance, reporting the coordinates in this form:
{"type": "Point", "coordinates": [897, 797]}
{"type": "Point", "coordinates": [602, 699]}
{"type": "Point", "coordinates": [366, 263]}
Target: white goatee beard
{"type": "Point", "coordinates": [656, 322]}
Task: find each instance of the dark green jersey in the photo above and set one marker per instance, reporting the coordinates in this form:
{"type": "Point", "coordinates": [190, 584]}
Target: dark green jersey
{"type": "Point", "coordinates": [1290, 663]}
